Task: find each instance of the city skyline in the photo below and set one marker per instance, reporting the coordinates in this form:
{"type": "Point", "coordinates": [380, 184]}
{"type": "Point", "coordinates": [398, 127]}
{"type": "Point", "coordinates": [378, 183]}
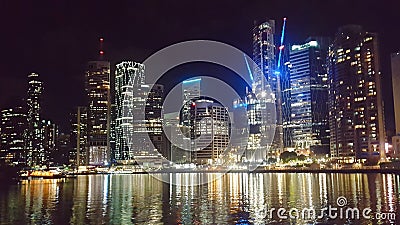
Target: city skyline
{"type": "Point", "coordinates": [202, 112]}
{"type": "Point", "coordinates": [293, 86]}
{"type": "Point", "coordinates": [37, 54]}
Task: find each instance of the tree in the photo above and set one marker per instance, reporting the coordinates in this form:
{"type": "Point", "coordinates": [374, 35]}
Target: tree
{"type": "Point", "coordinates": [302, 157]}
{"type": "Point", "coordinates": [287, 156]}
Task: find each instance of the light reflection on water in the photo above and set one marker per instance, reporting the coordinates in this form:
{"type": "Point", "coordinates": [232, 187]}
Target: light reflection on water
{"type": "Point", "coordinates": [143, 199]}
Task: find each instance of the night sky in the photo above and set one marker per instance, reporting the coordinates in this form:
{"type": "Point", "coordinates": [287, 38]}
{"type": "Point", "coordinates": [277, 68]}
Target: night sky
{"type": "Point", "coordinates": [57, 38]}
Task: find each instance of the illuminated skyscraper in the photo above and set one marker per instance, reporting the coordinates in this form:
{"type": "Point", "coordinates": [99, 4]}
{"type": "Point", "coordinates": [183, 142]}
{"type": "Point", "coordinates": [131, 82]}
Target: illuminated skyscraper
{"type": "Point", "coordinates": [63, 146]}
{"type": "Point", "coordinates": [154, 119]}
{"type": "Point", "coordinates": [191, 89]}
{"type": "Point", "coordinates": [13, 124]}
{"type": "Point", "coordinates": [128, 76]}
{"type": "Point", "coordinates": [309, 96]}
{"type": "Point", "coordinates": [286, 101]}
{"type": "Point", "coordinates": [396, 100]}
{"type": "Point", "coordinates": [179, 144]}
{"type": "Point", "coordinates": [98, 93]}
{"type": "Point", "coordinates": [50, 135]}
{"type": "Point", "coordinates": [133, 133]}
{"type": "Point", "coordinates": [355, 101]}
{"type": "Point", "coordinates": [78, 155]}
{"type": "Point", "coordinates": [210, 130]}
{"type": "Point", "coordinates": [264, 57]}
{"type": "Point", "coordinates": [395, 59]}
{"type": "Point", "coordinates": [35, 151]}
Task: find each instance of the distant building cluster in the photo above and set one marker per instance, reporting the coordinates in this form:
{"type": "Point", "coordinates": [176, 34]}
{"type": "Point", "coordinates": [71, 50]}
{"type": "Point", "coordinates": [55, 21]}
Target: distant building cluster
{"type": "Point", "coordinates": [326, 95]}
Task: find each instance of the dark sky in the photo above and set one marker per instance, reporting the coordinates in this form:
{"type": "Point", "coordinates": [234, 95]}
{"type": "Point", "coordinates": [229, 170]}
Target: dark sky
{"type": "Point", "coordinates": [57, 38]}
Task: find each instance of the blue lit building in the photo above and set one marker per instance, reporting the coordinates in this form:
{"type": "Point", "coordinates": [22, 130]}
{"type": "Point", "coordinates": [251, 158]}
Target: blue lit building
{"type": "Point", "coordinates": [270, 126]}
{"type": "Point", "coordinates": [191, 89]}
{"type": "Point", "coordinates": [308, 122]}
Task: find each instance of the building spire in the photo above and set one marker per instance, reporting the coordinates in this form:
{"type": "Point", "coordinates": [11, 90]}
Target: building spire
{"type": "Point", "coordinates": [101, 50]}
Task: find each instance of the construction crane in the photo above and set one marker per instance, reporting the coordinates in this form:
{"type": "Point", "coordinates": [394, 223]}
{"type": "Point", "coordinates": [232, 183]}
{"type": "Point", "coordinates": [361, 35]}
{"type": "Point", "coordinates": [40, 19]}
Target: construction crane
{"type": "Point", "coordinates": [281, 46]}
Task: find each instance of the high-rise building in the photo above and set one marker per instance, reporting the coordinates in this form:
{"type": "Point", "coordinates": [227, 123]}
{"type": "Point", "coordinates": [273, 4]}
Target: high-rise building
{"type": "Point", "coordinates": [129, 76]}
{"type": "Point", "coordinates": [239, 132]}
{"type": "Point", "coordinates": [50, 135]}
{"type": "Point", "coordinates": [191, 89]}
{"type": "Point", "coordinates": [269, 125]}
{"type": "Point", "coordinates": [13, 124]}
{"type": "Point", "coordinates": [98, 111]}
{"type": "Point", "coordinates": [395, 59]}
{"type": "Point", "coordinates": [78, 156]}
{"type": "Point", "coordinates": [396, 100]}
{"type": "Point", "coordinates": [63, 148]}
{"type": "Point", "coordinates": [309, 96]}
{"type": "Point", "coordinates": [356, 117]}
{"type": "Point", "coordinates": [112, 118]}
{"type": "Point", "coordinates": [35, 151]}
{"type": "Point", "coordinates": [112, 134]}
{"type": "Point", "coordinates": [210, 131]}
{"type": "Point", "coordinates": [179, 144]}
{"type": "Point", "coordinates": [143, 132]}
{"type": "Point", "coordinates": [154, 120]}
{"type": "Point", "coordinates": [286, 101]}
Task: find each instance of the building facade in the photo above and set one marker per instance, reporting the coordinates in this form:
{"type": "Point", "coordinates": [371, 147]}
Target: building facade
{"type": "Point", "coordinates": [209, 131]}
{"type": "Point", "coordinates": [178, 143]}
{"type": "Point", "coordinates": [35, 151]}
{"type": "Point", "coordinates": [309, 96]}
{"type": "Point", "coordinates": [355, 102]}
{"type": "Point", "coordinates": [395, 61]}
{"type": "Point", "coordinates": [50, 136]}
{"type": "Point", "coordinates": [98, 111]}
{"type": "Point", "coordinates": [267, 92]}
{"type": "Point", "coordinates": [154, 120]}
{"type": "Point", "coordinates": [13, 127]}
{"type": "Point", "coordinates": [78, 155]}
{"type": "Point", "coordinates": [128, 76]}
{"type": "Point", "coordinates": [191, 90]}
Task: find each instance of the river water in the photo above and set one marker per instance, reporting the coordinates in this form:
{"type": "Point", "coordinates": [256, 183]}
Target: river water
{"type": "Point", "coordinates": [234, 198]}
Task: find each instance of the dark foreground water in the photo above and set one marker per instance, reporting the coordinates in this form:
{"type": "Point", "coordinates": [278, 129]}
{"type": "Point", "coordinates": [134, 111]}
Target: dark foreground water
{"type": "Point", "coordinates": [239, 198]}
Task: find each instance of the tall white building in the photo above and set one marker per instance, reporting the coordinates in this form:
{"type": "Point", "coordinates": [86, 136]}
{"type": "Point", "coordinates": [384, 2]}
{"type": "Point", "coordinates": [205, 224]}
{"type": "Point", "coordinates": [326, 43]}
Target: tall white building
{"type": "Point", "coordinates": [138, 138]}
{"type": "Point", "coordinates": [128, 75]}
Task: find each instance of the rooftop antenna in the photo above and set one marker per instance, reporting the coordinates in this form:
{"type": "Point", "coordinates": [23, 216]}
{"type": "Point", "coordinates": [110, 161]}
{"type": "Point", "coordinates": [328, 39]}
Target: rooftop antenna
{"type": "Point", "coordinates": [101, 51]}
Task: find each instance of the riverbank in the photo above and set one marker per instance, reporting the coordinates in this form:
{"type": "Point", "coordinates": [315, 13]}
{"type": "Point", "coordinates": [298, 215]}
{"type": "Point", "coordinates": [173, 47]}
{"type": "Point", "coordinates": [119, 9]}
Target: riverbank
{"type": "Point", "coordinates": [291, 170]}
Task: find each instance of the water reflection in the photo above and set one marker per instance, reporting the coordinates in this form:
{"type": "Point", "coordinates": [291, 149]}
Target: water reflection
{"type": "Point", "coordinates": [143, 199]}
